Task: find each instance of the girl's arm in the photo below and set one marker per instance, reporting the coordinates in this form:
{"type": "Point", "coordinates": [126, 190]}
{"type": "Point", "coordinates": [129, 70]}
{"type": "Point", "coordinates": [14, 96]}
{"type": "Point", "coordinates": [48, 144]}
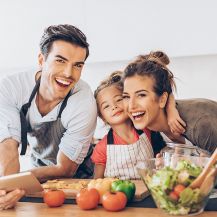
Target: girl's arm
{"type": "Point", "coordinates": [176, 124]}
{"type": "Point", "coordinates": [99, 170]}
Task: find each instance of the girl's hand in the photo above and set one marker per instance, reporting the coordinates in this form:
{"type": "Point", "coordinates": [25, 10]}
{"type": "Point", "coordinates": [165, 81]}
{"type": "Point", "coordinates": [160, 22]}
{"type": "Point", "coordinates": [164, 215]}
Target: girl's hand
{"type": "Point", "coordinates": [176, 124]}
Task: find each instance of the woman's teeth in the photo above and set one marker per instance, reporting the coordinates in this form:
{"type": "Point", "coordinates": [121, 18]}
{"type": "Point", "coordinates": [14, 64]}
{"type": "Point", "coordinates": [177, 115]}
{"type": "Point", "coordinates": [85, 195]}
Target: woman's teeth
{"type": "Point", "coordinates": [137, 115]}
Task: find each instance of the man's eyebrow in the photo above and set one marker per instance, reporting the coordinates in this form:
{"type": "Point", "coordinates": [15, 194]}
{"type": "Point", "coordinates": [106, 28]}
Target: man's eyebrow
{"type": "Point", "coordinates": [61, 57]}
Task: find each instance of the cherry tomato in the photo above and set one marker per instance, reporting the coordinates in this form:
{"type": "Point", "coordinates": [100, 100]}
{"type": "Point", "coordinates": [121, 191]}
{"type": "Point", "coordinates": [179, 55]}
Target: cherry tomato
{"type": "Point", "coordinates": [114, 201]}
{"type": "Point", "coordinates": [88, 198]}
{"type": "Point", "coordinates": [173, 196]}
{"type": "Point", "coordinates": [179, 188]}
{"type": "Point", "coordinates": [54, 198]}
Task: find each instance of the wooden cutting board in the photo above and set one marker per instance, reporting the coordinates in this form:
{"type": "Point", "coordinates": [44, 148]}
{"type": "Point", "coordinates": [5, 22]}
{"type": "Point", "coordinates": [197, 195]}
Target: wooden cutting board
{"type": "Point", "coordinates": [141, 190]}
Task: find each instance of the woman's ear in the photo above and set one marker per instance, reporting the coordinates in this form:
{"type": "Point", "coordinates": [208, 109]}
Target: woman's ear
{"type": "Point", "coordinates": [163, 100]}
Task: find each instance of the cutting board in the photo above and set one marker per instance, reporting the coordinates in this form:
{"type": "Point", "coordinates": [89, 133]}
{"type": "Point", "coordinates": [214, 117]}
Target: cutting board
{"type": "Point", "coordinates": [141, 190]}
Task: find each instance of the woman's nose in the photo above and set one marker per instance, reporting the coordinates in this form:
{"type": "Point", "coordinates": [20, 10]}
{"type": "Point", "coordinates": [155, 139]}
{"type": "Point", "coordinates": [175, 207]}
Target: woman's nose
{"type": "Point", "coordinates": [131, 104]}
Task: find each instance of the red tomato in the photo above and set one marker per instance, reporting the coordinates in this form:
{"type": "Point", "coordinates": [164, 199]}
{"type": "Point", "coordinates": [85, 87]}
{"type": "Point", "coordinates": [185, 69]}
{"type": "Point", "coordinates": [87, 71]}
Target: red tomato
{"type": "Point", "coordinates": [173, 196]}
{"type": "Point", "coordinates": [114, 201]}
{"type": "Point", "coordinates": [179, 188]}
{"type": "Point", "coordinates": [54, 198]}
{"type": "Point", "coordinates": [88, 198]}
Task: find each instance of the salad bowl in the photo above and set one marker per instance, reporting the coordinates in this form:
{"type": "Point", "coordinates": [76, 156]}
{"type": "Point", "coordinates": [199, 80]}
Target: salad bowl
{"type": "Point", "coordinates": [169, 182]}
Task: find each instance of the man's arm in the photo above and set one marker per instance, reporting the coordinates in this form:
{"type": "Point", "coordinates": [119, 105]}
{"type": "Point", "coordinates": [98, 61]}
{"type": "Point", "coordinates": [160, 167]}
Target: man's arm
{"type": "Point", "coordinates": [64, 168]}
{"type": "Point", "coordinates": [9, 157]}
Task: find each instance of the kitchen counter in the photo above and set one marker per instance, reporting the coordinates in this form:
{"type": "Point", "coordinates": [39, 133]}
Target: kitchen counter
{"type": "Point", "coordinates": [27, 209]}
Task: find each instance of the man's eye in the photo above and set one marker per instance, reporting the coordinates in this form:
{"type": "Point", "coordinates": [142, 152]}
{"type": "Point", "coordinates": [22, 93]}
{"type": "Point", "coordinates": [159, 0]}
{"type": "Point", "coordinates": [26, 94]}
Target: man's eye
{"type": "Point", "coordinates": [78, 65]}
{"type": "Point", "coordinates": [59, 60]}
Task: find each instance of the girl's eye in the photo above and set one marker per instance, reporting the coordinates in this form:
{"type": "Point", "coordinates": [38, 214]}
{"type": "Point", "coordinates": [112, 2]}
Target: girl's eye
{"type": "Point", "coordinates": [105, 107]}
{"type": "Point", "coordinates": [120, 99]}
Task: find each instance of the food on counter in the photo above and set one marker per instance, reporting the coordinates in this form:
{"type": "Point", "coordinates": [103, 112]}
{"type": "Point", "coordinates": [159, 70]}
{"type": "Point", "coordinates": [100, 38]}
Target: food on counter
{"type": "Point", "coordinates": [102, 185]}
{"type": "Point", "coordinates": [54, 198]}
{"type": "Point", "coordinates": [170, 188]}
{"type": "Point", "coordinates": [124, 186]}
{"type": "Point", "coordinates": [60, 184]}
{"type": "Point", "coordinates": [88, 198]}
{"type": "Point", "coordinates": [114, 201]}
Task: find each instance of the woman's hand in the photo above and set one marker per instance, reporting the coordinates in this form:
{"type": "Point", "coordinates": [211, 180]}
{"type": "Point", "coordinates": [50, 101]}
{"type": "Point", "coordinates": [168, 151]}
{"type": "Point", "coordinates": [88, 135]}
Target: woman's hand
{"type": "Point", "coordinates": [176, 124]}
{"type": "Point", "coordinates": [9, 200]}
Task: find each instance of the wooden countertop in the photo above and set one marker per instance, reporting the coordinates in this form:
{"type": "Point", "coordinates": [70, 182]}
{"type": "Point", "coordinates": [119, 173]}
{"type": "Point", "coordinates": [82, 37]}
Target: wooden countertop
{"type": "Point", "coordinates": [24, 209]}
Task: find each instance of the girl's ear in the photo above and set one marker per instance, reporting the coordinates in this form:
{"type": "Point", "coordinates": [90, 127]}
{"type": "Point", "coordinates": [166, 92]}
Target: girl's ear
{"type": "Point", "coordinates": [163, 100]}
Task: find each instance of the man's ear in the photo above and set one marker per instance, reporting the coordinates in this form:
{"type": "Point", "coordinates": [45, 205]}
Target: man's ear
{"type": "Point", "coordinates": [163, 100]}
{"type": "Point", "coordinates": [40, 60]}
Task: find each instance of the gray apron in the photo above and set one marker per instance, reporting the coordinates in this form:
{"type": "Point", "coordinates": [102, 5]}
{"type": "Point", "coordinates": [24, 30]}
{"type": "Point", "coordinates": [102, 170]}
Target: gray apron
{"type": "Point", "coordinates": [46, 139]}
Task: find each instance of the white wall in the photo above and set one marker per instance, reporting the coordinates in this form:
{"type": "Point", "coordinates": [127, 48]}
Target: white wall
{"type": "Point", "coordinates": [116, 29]}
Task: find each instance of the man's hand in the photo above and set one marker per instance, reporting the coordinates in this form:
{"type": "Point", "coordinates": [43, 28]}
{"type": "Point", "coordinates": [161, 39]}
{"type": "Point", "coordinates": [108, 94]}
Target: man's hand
{"type": "Point", "coordinates": [9, 157]}
{"type": "Point", "coordinates": [9, 200]}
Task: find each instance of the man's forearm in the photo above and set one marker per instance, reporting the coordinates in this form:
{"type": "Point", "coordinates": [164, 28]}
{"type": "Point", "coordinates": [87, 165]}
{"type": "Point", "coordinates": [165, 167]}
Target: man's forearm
{"type": "Point", "coordinates": [9, 157]}
{"type": "Point", "coordinates": [51, 172]}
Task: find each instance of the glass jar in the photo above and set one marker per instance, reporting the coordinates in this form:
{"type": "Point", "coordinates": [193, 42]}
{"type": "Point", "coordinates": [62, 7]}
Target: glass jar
{"type": "Point", "coordinates": [183, 149]}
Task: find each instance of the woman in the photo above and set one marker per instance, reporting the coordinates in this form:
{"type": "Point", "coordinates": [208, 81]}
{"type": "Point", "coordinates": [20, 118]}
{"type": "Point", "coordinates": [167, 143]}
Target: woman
{"type": "Point", "coordinates": [147, 84]}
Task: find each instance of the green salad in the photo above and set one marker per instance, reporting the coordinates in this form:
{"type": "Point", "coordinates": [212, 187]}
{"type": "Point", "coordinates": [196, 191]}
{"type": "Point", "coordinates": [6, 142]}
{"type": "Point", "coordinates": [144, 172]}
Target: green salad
{"type": "Point", "coordinates": [169, 188]}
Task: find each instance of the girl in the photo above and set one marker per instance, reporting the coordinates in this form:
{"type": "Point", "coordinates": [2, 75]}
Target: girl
{"type": "Point", "coordinates": [118, 152]}
{"type": "Point", "coordinates": [147, 85]}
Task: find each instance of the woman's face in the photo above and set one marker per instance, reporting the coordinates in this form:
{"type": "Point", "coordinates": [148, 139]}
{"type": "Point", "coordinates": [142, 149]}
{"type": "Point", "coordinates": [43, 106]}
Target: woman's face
{"type": "Point", "coordinates": [111, 107]}
{"type": "Point", "coordinates": [143, 106]}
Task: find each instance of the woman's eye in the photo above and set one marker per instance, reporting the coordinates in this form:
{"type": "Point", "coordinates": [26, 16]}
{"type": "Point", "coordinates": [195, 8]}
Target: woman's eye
{"type": "Point", "coordinates": [126, 97]}
{"type": "Point", "coordinates": [141, 95]}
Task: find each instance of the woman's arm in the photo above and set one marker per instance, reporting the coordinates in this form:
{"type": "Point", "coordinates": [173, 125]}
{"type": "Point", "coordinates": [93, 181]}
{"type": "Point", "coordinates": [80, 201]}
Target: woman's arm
{"type": "Point", "coordinates": [176, 124]}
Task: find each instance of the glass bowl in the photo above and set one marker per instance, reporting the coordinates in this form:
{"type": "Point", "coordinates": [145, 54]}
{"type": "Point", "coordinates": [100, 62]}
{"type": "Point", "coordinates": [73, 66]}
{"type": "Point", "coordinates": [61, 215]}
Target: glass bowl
{"type": "Point", "coordinates": [168, 180]}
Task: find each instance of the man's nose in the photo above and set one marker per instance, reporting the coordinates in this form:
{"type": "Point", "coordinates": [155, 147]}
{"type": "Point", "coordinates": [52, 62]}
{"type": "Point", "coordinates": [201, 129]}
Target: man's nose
{"type": "Point", "coordinates": [68, 71]}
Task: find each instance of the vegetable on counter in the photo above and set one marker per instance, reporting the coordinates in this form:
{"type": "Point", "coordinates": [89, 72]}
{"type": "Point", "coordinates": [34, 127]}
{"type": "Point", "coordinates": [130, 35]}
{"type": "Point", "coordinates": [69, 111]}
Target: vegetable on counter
{"type": "Point", "coordinates": [125, 186]}
{"type": "Point", "coordinates": [102, 185]}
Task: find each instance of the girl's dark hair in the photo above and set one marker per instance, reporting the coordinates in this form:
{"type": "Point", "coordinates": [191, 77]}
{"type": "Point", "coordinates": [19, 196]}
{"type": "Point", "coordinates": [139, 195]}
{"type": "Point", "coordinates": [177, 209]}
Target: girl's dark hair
{"type": "Point", "coordinates": [153, 65]}
{"type": "Point", "coordinates": [64, 32]}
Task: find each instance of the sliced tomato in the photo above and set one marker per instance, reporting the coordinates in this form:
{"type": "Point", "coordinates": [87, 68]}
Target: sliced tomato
{"type": "Point", "coordinates": [173, 196]}
{"type": "Point", "coordinates": [179, 188]}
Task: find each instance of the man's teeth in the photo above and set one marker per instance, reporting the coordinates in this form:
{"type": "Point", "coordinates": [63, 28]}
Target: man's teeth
{"type": "Point", "coordinates": [63, 81]}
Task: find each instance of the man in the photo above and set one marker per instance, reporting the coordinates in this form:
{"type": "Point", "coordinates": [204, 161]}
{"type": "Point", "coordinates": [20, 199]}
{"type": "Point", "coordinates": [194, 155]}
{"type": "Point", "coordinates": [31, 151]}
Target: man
{"type": "Point", "coordinates": [53, 105]}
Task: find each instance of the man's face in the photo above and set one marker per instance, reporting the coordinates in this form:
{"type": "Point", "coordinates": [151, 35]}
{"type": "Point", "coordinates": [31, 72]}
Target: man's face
{"type": "Point", "coordinates": [61, 70]}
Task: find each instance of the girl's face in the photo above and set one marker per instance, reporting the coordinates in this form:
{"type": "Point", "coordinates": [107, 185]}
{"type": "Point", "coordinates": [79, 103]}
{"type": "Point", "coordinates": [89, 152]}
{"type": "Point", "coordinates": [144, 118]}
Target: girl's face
{"type": "Point", "coordinates": [111, 107]}
{"type": "Point", "coordinates": [143, 106]}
